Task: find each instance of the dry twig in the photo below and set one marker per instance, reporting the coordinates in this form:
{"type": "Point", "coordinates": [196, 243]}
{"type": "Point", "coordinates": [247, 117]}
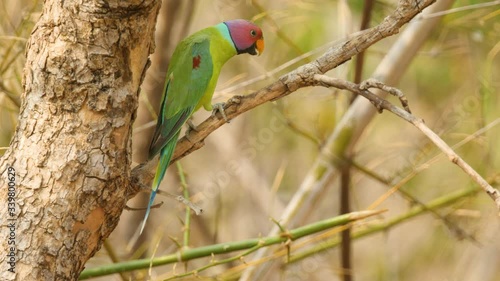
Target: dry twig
{"type": "Point", "coordinates": [382, 104]}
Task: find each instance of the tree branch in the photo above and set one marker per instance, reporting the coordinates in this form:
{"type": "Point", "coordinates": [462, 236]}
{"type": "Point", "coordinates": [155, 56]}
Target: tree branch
{"type": "Point", "coordinates": [417, 122]}
{"type": "Point", "coordinates": [301, 77]}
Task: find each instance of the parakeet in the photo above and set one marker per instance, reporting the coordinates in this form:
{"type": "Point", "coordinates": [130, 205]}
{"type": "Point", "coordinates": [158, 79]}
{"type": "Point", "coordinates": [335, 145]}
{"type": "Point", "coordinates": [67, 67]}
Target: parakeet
{"type": "Point", "coordinates": [190, 83]}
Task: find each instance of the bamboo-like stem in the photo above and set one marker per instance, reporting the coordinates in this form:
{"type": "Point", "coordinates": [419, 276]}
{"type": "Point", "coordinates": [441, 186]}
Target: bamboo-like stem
{"type": "Point", "coordinates": [113, 256]}
{"type": "Point", "coordinates": [187, 217]}
{"type": "Point", "coordinates": [207, 251]}
{"type": "Point", "coordinates": [326, 243]}
{"type": "Point", "coordinates": [437, 203]}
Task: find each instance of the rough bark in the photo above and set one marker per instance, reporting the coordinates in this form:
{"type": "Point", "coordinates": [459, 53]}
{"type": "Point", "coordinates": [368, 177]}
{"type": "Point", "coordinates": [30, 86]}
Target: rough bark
{"type": "Point", "coordinates": [71, 152]}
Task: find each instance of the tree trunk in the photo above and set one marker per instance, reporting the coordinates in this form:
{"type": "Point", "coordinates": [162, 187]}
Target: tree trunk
{"type": "Point", "coordinates": [68, 165]}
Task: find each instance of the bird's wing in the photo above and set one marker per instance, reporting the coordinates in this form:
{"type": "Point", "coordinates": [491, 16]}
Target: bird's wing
{"type": "Point", "coordinates": [187, 80]}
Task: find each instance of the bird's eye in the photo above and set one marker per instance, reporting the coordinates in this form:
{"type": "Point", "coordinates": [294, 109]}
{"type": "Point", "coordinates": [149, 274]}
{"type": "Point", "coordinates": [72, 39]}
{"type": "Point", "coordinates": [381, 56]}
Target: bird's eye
{"type": "Point", "coordinates": [253, 33]}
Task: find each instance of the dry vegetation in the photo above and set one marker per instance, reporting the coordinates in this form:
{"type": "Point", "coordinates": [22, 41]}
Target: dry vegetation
{"type": "Point", "coordinates": [248, 170]}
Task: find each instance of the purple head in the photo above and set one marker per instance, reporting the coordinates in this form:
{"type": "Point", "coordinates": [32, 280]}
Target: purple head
{"type": "Point", "coordinates": [246, 36]}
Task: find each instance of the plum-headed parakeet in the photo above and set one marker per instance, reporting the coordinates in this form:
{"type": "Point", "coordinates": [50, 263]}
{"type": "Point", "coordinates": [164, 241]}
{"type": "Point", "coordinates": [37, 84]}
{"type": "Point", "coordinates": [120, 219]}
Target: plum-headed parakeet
{"type": "Point", "coordinates": [190, 83]}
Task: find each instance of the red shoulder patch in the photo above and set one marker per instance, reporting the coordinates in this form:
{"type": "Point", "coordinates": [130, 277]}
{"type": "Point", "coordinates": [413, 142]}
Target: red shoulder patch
{"type": "Point", "coordinates": [196, 61]}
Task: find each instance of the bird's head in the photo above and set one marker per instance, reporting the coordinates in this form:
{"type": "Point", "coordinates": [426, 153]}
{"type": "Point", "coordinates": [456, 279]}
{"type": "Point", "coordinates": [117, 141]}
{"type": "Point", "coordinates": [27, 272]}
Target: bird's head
{"type": "Point", "coordinates": [246, 36]}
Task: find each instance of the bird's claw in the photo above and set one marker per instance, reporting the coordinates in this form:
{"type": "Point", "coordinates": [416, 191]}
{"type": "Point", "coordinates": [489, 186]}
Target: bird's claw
{"type": "Point", "coordinates": [190, 127]}
{"type": "Point", "coordinates": [220, 108]}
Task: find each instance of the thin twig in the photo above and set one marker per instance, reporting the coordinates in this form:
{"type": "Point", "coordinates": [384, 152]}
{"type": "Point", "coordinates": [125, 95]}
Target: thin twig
{"type": "Point", "coordinates": [373, 83]}
{"type": "Point", "coordinates": [461, 233]}
{"type": "Point", "coordinates": [458, 9]}
{"type": "Point", "coordinates": [417, 122]}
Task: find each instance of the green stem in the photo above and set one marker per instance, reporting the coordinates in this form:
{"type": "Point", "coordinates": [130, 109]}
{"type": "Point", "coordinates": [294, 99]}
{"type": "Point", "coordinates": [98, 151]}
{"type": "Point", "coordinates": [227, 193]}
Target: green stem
{"type": "Point", "coordinates": [415, 211]}
{"type": "Point", "coordinates": [187, 219]}
{"type": "Point", "coordinates": [215, 263]}
{"type": "Point", "coordinates": [113, 256]}
{"type": "Point", "coordinates": [252, 244]}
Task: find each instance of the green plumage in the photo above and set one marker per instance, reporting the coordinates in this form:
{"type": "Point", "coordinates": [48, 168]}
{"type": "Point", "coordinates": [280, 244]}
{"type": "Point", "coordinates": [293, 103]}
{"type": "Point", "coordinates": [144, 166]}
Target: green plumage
{"type": "Point", "coordinates": [190, 83]}
{"type": "Point", "coordinates": [188, 88]}
{"type": "Point", "coordinates": [191, 79]}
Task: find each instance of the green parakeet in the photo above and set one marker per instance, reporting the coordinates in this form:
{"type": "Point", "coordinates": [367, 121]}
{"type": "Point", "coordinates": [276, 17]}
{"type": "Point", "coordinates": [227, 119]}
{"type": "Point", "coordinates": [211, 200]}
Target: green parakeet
{"type": "Point", "coordinates": [190, 83]}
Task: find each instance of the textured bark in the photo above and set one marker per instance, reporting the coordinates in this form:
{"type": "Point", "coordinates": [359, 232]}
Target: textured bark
{"type": "Point", "coordinates": [72, 148]}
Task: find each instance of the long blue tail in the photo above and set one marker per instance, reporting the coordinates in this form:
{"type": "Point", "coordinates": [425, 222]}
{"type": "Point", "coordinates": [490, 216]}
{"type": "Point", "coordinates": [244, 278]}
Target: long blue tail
{"type": "Point", "coordinates": [165, 157]}
{"type": "Point", "coordinates": [151, 199]}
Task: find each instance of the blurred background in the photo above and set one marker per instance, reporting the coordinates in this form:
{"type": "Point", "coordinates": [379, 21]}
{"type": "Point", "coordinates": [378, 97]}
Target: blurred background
{"type": "Point", "coordinates": [248, 170]}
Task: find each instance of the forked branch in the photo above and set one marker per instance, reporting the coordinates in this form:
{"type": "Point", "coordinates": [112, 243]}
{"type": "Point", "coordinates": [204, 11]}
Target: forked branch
{"type": "Point", "coordinates": [381, 104]}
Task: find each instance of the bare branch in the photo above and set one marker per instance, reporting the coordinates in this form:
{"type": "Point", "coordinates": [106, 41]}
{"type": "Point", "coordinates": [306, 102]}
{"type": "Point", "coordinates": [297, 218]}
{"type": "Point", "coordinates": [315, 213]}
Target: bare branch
{"type": "Point", "coordinates": [373, 83]}
{"type": "Point", "coordinates": [417, 122]}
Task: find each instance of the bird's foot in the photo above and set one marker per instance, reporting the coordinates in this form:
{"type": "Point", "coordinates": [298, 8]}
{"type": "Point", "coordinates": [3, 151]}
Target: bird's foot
{"type": "Point", "coordinates": [190, 127]}
{"type": "Point", "coordinates": [220, 108]}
